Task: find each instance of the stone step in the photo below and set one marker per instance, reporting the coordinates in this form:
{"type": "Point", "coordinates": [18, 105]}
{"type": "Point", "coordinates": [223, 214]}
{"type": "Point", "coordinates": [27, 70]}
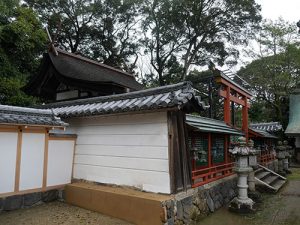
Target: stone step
{"type": "Point", "coordinates": [258, 170]}
{"type": "Point", "coordinates": [270, 179]}
{"type": "Point", "coordinates": [263, 174]}
{"type": "Point", "coordinates": [278, 184]}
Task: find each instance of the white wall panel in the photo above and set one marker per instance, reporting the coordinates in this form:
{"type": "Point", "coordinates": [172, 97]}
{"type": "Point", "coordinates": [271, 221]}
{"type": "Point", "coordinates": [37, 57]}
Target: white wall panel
{"type": "Point", "coordinates": [115, 129]}
{"type": "Point", "coordinates": [8, 152]}
{"type": "Point", "coordinates": [60, 162]}
{"type": "Point", "coordinates": [32, 161]}
{"type": "Point", "coordinates": [124, 162]}
{"type": "Point", "coordinates": [147, 180]}
{"type": "Point", "coordinates": [124, 149]}
{"type": "Point", "coordinates": [147, 152]}
{"type": "Point", "coordinates": [124, 140]}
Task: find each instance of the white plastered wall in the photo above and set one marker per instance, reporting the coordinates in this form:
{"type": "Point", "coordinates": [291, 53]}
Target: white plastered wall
{"type": "Point", "coordinates": [60, 162]}
{"type": "Point", "coordinates": [31, 164]}
{"type": "Point", "coordinates": [32, 161]}
{"type": "Point", "coordinates": [8, 153]}
{"type": "Point", "coordinates": [123, 149]}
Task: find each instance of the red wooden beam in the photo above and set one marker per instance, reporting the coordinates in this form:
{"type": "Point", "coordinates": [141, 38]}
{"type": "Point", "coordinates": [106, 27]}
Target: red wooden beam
{"type": "Point", "coordinates": [232, 86]}
{"type": "Point", "coordinates": [233, 98]}
{"type": "Point", "coordinates": [245, 119]}
{"type": "Point", "coordinates": [227, 114]}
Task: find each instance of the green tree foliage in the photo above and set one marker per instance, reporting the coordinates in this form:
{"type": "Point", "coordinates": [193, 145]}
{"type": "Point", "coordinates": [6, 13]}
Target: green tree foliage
{"type": "Point", "coordinates": [275, 71]}
{"type": "Point", "coordinates": [22, 40]}
{"type": "Point", "coordinates": [104, 30]}
{"type": "Point", "coordinates": [163, 39]}
{"type": "Point", "coordinates": [196, 31]}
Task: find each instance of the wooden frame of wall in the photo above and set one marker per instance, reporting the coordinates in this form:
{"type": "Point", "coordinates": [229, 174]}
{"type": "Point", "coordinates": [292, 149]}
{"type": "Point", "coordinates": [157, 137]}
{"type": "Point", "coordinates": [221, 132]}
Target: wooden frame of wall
{"type": "Point", "coordinates": [20, 130]}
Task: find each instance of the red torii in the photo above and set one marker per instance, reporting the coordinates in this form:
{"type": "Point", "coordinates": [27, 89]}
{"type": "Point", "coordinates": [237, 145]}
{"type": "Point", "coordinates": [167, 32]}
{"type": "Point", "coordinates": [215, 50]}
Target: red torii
{"type": "Point", "coordinates": [233, 92]}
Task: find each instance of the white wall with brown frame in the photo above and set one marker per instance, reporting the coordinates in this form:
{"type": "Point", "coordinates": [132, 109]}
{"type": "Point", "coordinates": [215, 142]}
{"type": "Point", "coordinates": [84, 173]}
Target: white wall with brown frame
{"type": "Point", "coordinates": [33, 160]}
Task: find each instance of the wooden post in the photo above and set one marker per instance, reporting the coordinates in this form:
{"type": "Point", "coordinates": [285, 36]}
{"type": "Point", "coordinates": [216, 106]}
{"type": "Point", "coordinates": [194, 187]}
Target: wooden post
{"type": "Point", "coordinates": [18, 161]}
{"type": "Point", "coordinates": [227, 106]}
{"type": "Point", "coordinates": [45, 169]}
{"type": "Point", "coordinates": [226, 148]}
{"type": "Point", "coordinates": [245, 118]}
{"type": "Point", "coordinates": [210, 100]}
{"type": "Point", "coordinates": [232, 114]}
{"type": "Point", "coordinates": [209, 150]}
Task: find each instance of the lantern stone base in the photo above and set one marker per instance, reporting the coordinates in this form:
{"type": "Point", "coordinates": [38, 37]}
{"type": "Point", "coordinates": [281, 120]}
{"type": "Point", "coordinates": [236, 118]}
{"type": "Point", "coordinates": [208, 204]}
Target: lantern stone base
{"type": "Point", "coordinates": [286, 166]}
{"type": "Point", "coordinates": [281, 166]}
{"type": "Point", "coordinates": [255, 196]}
{"type": "Point", "coordinates": [242, 205]}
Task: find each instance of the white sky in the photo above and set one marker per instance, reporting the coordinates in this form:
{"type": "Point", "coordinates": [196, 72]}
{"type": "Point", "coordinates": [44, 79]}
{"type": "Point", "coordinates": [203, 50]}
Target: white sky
{"type": "Point", "coordinates": [287, 9]}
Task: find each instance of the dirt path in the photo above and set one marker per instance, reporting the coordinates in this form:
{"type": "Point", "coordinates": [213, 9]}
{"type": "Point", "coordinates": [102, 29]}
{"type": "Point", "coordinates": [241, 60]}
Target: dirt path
{"type": "Point", "coordinates": [280, 209]}
{"type": "Point", "coordinates": [57, 213]}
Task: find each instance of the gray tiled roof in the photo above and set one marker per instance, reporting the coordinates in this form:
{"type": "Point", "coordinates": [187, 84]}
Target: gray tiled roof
{"type": "Point", "coordinates": [264, 133]}
{"type": "Point", "coordinates": [204, 124]}
{"type": "Point", "coordinates": [180, 95]}
{"type": "Point", "coordinates": [270, 126]}
{"type": "Point", "coordinates": [80, 68]}
{"type": "Point", "coordinates": [29, 116]}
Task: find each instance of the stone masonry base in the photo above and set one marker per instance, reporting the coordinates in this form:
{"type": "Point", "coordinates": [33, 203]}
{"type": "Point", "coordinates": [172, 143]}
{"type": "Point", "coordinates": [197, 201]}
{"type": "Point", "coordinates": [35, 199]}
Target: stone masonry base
{"type": "Point", "coordinates": [27, 200]}
{"type": "Point", "coordinates": [187, 208]}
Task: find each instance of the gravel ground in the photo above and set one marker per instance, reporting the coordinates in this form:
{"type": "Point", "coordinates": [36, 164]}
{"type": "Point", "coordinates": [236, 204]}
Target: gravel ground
{"type": "Point", "coordinates": [280, 209]}
{"type": "Point", "coordinates": [57, 213]}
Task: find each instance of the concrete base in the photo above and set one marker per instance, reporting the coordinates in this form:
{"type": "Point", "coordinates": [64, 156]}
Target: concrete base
{"type": "Point", "coordinates": [124, 203]}
{"type": "Point", "coordinates": [143, 208]}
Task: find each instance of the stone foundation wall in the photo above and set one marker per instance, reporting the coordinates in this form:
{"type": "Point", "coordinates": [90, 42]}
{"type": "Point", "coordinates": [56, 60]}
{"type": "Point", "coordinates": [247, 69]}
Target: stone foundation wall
{"type": "Point", "coordinates": [27, 200]}
{"type": "Point", "coordinates": [188, 208]}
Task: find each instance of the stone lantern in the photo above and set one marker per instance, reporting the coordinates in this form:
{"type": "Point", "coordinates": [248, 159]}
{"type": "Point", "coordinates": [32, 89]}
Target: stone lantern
{"type": "Point", "coordinates": [280, 154]}
{"type": "Point", "coordinates": [253, 194]}
{"type": "Point", "coordinates": [253, 164]}
{"type": "Point", "coordinates": [287, 157]}
{"type": "Point", "coordinates": [242, 203]}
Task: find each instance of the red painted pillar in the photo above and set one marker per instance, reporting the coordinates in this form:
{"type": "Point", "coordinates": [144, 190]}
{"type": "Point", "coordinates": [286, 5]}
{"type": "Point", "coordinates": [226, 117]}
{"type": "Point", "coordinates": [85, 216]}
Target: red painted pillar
{"type": "Point", "coordinates": [209, 150]}
{"type": "Point", "coordinates": [227, 115]}
{"type": "Point", "coordinates": [245, 118]}
{"type": "Point", "coordinates": [226, 148]}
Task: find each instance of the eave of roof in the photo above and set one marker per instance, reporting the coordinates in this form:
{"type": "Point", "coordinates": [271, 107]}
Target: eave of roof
{"type": "Point", "coordinates": [293, 128]}
{"type": "Point", "coordinates": [13, 115]}
{"type": "Point", "coordinates": [76, 56]}
{"type": "Point", "coordinates": [209, 125]}
{"type": "Point", "coordinates": [80, 68]}
{"type": "Point", "coordinates": [268, 126]}
{"type": "Point", "coordinates": [262, 133]}
{"type": "Point", "coordinates": [178, 95]}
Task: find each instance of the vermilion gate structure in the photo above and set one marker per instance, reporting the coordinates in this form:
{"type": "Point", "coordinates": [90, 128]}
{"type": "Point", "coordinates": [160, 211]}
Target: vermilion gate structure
{"type": "Point", "coordinates": [232, 93]}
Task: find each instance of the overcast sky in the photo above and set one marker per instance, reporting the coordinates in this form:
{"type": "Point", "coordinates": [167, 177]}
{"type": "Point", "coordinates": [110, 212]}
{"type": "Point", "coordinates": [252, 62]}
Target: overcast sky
{"type": "Point", "coordinates": [287, 9]}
